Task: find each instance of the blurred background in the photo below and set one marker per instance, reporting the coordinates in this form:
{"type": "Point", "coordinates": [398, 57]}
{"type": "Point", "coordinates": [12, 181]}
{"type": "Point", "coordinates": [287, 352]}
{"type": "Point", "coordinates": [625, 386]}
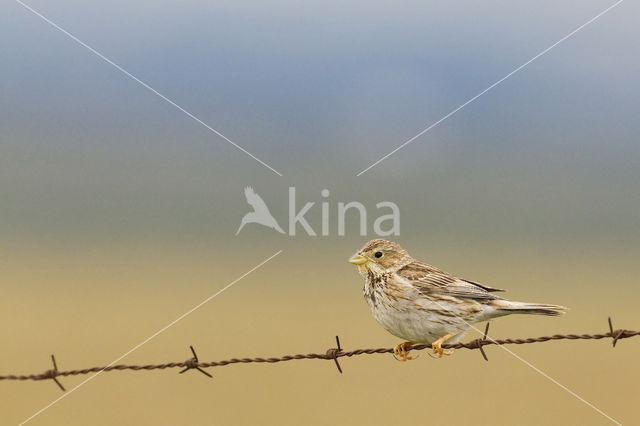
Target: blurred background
{"type": "Point", "coordinates": [118, 213]}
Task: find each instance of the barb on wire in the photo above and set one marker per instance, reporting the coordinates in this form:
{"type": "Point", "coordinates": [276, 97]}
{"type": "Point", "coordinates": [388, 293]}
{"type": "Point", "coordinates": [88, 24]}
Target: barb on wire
{"type": "Point", "coordinates": [334, 353]}
{"type": "Point", "coordinates": [193, 363]}
{"type": "Point", "coordinates": [52, 374]}
{"type": "Point", "coordinates": [331, 354]}
{"type": "Point", "coordinates": [478, 342]}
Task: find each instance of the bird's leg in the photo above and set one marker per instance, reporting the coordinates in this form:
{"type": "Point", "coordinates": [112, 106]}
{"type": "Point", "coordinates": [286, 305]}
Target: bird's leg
{"type": "Point", "coordinates": [437, 345]}
{"type": "Point", "coordinates": [401, 353]}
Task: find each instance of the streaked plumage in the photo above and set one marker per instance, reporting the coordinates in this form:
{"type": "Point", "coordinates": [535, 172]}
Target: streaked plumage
{"type": "Point", "coordinates": [422, 304]}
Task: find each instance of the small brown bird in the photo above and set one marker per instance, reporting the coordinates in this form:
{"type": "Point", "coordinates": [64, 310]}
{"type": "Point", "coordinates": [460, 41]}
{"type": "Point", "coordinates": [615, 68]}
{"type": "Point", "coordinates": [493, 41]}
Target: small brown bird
{"type": "Point", "coordinates": [422, 304]}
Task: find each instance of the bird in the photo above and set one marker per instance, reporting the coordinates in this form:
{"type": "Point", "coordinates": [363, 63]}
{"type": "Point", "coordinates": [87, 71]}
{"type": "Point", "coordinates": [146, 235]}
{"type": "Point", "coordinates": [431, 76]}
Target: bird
{"type": "Point", "coordinates": [260, 213]}
{"type": "Point", "coordinates": [424, 305]}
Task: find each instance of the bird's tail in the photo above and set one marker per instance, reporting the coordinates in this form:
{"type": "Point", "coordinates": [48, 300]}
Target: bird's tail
{"type": "Point", "coordinates": [507, 307]}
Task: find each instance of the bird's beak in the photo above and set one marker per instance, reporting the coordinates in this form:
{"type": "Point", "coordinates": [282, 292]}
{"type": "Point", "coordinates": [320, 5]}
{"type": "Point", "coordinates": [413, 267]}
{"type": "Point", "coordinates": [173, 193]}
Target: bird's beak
{"type": "Point", "coordinates": [358, 259]}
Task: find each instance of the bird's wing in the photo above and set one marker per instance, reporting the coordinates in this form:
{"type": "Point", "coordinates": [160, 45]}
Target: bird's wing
{"type": "Point", "coordinates": [430, 280]}
{"type": "Point", "coordinates": [254, 200]}
{"type": "Point", "coordinates": [486, 287]}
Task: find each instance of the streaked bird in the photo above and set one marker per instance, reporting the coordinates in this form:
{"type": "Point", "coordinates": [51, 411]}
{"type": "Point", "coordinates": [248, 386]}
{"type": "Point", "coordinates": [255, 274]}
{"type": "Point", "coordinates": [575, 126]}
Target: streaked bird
{"type": "Point", "coordinates": [260, 213]}
{"type": "Point", "coordinates": [422, 304]}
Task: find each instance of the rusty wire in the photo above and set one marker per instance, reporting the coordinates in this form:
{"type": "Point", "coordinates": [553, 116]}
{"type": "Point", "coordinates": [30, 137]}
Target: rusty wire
{"type": "Point", "coordinates": [331, 354]}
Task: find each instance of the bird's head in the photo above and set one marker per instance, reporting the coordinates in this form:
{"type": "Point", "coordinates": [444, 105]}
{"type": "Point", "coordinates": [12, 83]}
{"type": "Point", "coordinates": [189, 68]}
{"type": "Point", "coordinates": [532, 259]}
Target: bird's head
{"type": "Point", "coordinates": [379, 256]}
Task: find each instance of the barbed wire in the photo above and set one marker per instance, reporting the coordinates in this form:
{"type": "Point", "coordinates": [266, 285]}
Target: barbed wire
{"type": "Point", "coordinates": [332, 354]}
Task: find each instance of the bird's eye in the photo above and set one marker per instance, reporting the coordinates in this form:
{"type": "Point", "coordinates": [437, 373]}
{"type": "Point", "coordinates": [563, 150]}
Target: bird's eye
{"type": "Point", "coordinates": [378, 254]}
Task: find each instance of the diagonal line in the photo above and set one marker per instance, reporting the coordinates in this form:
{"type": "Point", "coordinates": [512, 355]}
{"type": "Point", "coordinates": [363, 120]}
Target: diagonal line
{"type": "Point", "coordinates": [136, 347]}
{"type": "Point", "coordinates": [492, 86]}
{"type": "Point", "coordinates": [142, 83]}
{"type": "Point", "coordinates": [575, 395]}
{"type": "Point", "coordinates": [536, 369]}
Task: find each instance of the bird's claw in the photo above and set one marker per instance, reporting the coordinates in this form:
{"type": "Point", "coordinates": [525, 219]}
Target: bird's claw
{"type": "Point", "coordinates": [437, 346]}
{"type": "Point", "coordinates": [401, 353]}
{"type": "Point", "coordinates": [439, 351]}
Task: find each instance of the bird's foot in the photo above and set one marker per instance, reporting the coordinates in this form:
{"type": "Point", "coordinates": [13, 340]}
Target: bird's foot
{"type": "Point", "coordinates": [401, 353]}
{"type": "Point", "coordinates": [437, 346]}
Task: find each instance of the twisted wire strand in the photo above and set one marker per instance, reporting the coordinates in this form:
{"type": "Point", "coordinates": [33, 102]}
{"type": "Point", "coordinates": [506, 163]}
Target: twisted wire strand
{"type": "Point", "coordinates": [331, 354]}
